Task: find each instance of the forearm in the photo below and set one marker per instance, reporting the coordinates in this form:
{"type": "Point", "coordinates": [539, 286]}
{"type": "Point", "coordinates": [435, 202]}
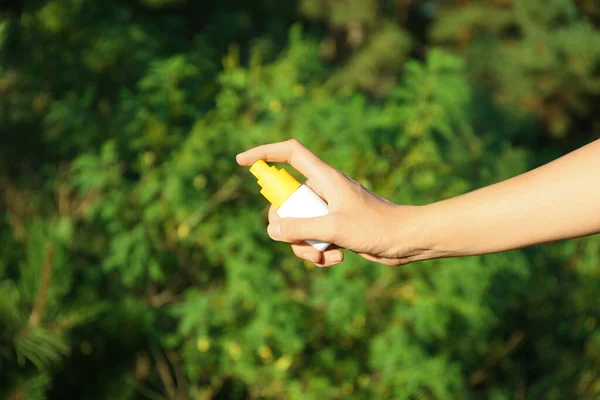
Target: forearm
{"type": "Point", "coordinates": [560, 200]}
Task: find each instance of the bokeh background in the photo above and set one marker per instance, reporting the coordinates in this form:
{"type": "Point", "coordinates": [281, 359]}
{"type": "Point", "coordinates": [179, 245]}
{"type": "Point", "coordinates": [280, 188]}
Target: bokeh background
{"type": "Point", "coordinates": [134, 262]}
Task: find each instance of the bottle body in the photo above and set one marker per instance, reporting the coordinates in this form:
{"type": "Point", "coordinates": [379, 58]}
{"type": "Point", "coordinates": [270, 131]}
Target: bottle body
{"type": "Point", "coordinates": [304, 203]}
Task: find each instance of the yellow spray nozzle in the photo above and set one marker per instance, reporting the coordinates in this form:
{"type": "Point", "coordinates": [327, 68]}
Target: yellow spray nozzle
{"type": "Point", "coordinates": [277, 184]}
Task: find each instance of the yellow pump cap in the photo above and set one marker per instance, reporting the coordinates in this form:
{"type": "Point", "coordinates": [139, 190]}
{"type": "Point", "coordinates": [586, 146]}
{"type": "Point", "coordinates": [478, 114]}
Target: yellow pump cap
{"type": "Point", "coordinates": [277, 185]}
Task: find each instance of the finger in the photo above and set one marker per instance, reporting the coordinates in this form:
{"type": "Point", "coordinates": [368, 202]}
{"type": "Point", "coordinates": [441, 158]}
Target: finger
{"type": "Point", "coordinates": [293, 230]}
{"type": "Point", "coordinates": [303, 245]}
{"type": "Point", "coordinates": [383, 260]}
{"type": "Point", "coordinates": [331, 257]}
{"type": "Point", "coordinates": [290, 151]}
{"type": "Point", "coordinates": [328, 258]}
{"type": "Point", "coordinates": [273, 216]}
{"type": "Point", "coordinates": [306, 252]}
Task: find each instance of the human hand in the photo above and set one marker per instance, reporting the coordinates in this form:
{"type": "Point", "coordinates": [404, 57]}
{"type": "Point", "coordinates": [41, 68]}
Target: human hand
{"type": "Point", "coordinates": [358, 220]}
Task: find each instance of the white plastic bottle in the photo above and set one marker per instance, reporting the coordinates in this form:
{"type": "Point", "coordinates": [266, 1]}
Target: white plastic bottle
{"type": "Point", "coordinates": [288, 196]}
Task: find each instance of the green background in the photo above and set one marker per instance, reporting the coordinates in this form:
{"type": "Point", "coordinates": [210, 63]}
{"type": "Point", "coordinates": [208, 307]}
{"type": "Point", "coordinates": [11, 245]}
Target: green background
{"type": "Point", "coordinates": [134, 261]}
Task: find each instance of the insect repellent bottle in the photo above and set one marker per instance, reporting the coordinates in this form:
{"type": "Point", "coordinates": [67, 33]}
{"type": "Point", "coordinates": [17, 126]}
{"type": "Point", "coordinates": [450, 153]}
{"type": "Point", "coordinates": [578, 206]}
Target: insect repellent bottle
{"type": "Point", "coordinates": [288, 196]}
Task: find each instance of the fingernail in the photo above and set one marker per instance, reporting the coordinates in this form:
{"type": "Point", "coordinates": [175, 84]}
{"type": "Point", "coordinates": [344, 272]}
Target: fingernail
{"type": "Point", "coordinates": [336, 258]}
{"type": "Point", "coordinates": [274, 230]}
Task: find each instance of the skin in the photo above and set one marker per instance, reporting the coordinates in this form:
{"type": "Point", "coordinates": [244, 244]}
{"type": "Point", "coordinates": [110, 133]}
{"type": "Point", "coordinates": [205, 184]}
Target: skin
{"type": "Point", "coordinates": [560, 200]}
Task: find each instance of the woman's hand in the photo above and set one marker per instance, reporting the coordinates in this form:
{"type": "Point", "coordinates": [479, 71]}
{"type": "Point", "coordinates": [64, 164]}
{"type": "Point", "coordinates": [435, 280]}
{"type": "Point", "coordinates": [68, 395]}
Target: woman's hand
{"type": "Point", "coordinates": [358, 220]}
{"type": "Point", "coordinates": [556, 201]}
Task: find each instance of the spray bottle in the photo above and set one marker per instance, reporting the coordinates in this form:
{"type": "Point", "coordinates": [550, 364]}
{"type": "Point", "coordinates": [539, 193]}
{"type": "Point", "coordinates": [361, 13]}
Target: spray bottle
{"type": "Point", "coordinates": [288, 196]}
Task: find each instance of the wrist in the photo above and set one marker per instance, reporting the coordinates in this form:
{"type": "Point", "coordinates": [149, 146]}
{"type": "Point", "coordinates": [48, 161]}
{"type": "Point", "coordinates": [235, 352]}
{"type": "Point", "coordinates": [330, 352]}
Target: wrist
{"type": "Point", "coordinates": [418, 235]}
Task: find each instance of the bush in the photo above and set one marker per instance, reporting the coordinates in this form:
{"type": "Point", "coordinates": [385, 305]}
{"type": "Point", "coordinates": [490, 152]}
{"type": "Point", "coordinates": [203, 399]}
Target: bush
{"type": "Point", "coordinates": [135, 263]}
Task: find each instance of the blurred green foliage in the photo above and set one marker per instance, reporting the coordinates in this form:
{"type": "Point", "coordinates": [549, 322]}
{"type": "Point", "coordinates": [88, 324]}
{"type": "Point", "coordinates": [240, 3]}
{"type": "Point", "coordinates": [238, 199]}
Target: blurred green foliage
{"type": "Point", "coordinates": [134, 262]}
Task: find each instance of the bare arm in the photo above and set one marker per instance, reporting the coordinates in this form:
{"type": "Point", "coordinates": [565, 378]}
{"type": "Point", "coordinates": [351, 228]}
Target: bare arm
{"type": "Point", "coordinates": [560, 200]}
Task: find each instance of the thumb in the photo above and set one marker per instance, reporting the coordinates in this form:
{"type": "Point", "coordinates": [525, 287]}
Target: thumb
{"type": "Point", "coordinates": [293, 230]}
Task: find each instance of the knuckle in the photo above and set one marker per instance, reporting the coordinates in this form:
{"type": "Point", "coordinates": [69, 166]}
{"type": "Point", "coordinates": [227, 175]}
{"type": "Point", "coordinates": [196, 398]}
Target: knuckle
{"type": "Point", "coordinates": [346, 184]}
{"type": "Point", "coordinates": [336, 175]}
{"type": "Point", "coordinates": [295, 143]}
{"type": "Point", "coordinates": [343, 177]}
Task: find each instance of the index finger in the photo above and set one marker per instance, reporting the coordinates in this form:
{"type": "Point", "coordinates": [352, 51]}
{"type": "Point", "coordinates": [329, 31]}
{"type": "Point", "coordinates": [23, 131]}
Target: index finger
{"type": "Point", "coordinates": [291, 152]}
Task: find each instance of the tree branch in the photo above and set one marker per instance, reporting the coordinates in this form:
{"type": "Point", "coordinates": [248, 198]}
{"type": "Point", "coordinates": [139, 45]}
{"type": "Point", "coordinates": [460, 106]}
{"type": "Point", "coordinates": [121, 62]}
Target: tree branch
{"type": "Point", "coordinates": [42, 297]}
